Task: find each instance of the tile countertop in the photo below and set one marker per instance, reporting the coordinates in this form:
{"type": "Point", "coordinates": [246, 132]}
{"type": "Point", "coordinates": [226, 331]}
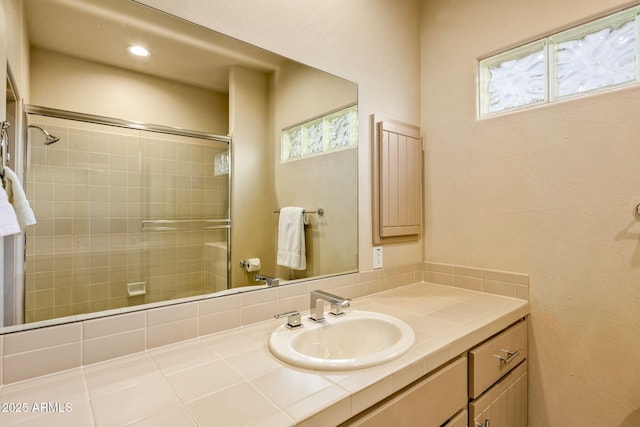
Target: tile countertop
{"type": "Point", "coordinates": [232, 379]}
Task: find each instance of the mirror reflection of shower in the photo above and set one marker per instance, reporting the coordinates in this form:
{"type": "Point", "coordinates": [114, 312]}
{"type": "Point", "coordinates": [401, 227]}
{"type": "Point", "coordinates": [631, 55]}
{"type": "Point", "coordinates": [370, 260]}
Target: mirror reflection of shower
{"type": "Point", "coordinates": [50, 139]}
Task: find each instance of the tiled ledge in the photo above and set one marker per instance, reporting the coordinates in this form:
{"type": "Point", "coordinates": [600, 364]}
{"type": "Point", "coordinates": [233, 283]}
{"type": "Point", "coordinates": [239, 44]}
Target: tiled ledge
{"type": "Point", "coordinates": [498, 282]}
{"type": "Point", "coordinates": [231, 378]}
{"type": "Point", "coordinates": [33, 353]}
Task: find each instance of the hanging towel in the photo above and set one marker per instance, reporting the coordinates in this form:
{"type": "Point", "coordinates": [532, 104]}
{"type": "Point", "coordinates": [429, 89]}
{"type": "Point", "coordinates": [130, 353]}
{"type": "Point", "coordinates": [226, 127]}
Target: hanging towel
{"type": "Point", "coordinates": [8, 220]}
{"type": "Point", "coordinates": [18, 199]}
{"type": "Point", "coordinates": [291, 245]}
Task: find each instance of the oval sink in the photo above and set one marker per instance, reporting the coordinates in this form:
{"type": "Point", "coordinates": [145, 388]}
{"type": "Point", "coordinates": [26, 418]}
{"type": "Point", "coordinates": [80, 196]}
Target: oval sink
{"type": "Point", "coordinates": [358, 339]}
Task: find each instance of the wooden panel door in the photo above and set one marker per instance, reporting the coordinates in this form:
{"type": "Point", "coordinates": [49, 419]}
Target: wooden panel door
{"type": "Point", "coordinates": [428, 403]}
{"type": "Point", "coordinates": [397, 182]}
{"type": "Point", "coordinates": [504, 404]}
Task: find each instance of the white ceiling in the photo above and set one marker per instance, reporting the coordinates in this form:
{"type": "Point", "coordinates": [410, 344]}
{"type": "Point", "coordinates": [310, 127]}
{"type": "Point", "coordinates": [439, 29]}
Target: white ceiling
{"type": "Point", "coordinates": [100, 30]}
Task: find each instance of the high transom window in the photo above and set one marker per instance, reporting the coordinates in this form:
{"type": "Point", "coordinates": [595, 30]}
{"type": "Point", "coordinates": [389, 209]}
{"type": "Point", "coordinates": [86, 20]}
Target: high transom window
{"type": "Point", "coordinates": [593, 57]}
{"type": "Point", "coordinates": [331, 132]}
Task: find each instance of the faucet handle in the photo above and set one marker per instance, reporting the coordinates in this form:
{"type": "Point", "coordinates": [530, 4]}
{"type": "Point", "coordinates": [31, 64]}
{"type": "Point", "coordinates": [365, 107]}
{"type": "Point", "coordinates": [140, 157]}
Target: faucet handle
{"type": "Point", "coordinates": [336, 308]}
{"type": "Point", "coordinates": [293, 319]}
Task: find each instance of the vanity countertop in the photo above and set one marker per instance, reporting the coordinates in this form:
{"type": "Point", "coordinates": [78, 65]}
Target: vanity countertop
{"type": "Point", "coordinates": [232, 379]}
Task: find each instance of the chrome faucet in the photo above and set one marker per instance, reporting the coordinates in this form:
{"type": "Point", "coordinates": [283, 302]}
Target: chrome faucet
{"type": "Point", "coordinates": [270, 281]}
{"type": "Point", "coordinates": [317, 299]}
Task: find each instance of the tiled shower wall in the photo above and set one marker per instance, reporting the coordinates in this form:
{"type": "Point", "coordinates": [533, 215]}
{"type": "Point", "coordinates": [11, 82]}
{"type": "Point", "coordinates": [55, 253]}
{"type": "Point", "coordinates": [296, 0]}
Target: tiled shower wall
{"type": "Point", "coordinates": [94, 193]}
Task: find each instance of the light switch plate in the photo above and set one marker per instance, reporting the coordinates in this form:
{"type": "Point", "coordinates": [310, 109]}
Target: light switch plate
{"type": "Point", "coordinates": [377, 257]}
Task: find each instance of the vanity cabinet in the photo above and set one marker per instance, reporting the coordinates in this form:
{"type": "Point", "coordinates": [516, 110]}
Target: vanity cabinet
{"type": "Point", "coordinates": [460, 420]}
{"type": "Point", "coordinates": [504, 404]}
{"type": "Point", "coordinates": [498, 380]}
{"type": "Point", "coordinates": [485, 387]}
{"type": "Point", "coordinates": [430, 401]}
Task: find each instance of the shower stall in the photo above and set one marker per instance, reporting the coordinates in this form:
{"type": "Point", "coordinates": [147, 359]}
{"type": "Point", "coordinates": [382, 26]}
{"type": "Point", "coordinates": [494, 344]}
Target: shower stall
{"type": "Point", "coordinates": [127, 214]}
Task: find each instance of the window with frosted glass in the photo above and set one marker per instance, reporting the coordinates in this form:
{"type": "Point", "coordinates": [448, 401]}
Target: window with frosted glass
{"type": "Point", "coordinates": [595, 56]}
{"type": "Point", "coordinates": [335, 131]}
{"type": "Point", "coordinates": [514, 79]}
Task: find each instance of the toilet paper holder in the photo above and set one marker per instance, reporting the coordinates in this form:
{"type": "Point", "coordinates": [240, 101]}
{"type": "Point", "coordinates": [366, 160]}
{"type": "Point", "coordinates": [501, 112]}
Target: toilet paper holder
{"type": "Point", "coordinates": [251, 264]}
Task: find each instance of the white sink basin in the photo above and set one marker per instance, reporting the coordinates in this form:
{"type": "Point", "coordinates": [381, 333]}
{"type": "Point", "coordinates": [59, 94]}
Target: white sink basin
{"type": "Point", "coordinates": [358, 339]}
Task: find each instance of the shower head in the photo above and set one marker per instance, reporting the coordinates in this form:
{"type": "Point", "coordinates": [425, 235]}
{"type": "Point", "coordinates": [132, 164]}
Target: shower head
{"type": "Point", "coordinates": [50, 138]}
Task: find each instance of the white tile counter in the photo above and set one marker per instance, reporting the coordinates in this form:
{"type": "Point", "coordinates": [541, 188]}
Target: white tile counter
{"type": "Point", "coordinates": [231, 378]}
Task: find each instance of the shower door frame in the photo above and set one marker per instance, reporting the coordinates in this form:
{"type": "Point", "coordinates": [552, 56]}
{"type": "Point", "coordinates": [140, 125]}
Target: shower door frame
{"type": "Point", "coordinates": [134, 125]}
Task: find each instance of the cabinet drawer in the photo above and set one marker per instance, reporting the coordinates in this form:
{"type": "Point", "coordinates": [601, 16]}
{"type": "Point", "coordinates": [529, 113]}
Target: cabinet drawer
{"type": "Point", "coordinates": [504, 404]}
{"type": "Point", "coordinates": [491, 360]}
{"type": "Point", "coordinates": [427, 403]}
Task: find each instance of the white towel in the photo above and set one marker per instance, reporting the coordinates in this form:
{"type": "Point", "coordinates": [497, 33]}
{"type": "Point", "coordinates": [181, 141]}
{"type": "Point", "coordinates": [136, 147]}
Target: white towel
{"type": "Point", "coordinates": [291, 245]}
{"type": "Point", "coordinates": [8, 221]}
{"type": "Point", "coordinates": [18, 199]}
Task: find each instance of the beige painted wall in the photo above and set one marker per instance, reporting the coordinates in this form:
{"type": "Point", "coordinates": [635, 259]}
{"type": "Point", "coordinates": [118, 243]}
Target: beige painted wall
{"type": "Point", "coordinates": [252, 195]}
{"type": "Point", "coordinates": [549, 191]}
{"type": "Point", "coordinates": [375, 44]}
{"type": "Point", "coordinates": [328, 181]}
{"type": "Point", "coordinates": [66, 83]}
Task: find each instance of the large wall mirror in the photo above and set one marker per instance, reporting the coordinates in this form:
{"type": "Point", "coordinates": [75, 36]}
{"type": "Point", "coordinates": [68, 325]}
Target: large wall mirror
{"type": "Point", "coordinates": [154, 179]}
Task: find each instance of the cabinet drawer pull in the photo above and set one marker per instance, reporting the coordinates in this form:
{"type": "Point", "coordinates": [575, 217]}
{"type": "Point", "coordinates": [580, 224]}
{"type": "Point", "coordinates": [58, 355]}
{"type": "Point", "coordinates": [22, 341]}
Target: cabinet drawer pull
{"type": "Point", "coordinates": [510, 356]}
{"type": "Point", "coordinates": [487, 423]}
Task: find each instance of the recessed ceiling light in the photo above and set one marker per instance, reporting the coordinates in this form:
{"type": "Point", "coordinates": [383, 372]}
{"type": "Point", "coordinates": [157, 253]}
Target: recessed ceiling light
{"type": "Point", "coordinates": [138, 50]}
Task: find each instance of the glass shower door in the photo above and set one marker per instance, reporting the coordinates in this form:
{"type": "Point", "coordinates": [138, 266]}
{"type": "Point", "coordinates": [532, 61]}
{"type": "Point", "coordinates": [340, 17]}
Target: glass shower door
{"type": "Point", "coordinates": [125, 217]}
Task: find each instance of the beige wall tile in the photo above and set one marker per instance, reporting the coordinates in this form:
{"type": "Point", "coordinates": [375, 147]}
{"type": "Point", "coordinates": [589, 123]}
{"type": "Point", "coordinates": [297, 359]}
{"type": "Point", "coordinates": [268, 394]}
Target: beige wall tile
{"type": "Point", "coordinates": [467, 271]}
{"type": "Point", "coordinates": [215, 305]}
{"type": "Point", "coordinates": [471, 283]}
{"type": "Point", "coordinates": [219, 321]}
{"type": "Point", "coordinates": [158, 316]}
{"type": "Point", "coordinates": [499, 288]}
{"type": "Point", "coordinates": [258, 312]}
{"type": "Point", "coordinates": [173, 332]}
{"type": "Point", "coordinates": [522, 279]}
{"type": "Point", "coordinates": [114, 324]}
{"type": "Point", "coordinates": [41, 338]}
{"type": "Point", "coordinates": [440, 278]}
{"type": "Point", "coordinates": [301, 302]}
{"type": "Point", "coordinates": [368, 276]}
{"type": "Point", "coordinates": [112, 346]}
{"type": "Point", "coordinates": [500, 276]}
{"type": "Point", "coordinates": [35, 363]}
{"type": "Point", "coordinates": [522, 292]}
{"type": "Point", "coordinates": [182, 356]}
{"type": "Point", "coordinates": [369, 287]}
{"type": "Point", "coordinates": [259, 297]}
{"type": "Point", "coordinates": [440, 268]}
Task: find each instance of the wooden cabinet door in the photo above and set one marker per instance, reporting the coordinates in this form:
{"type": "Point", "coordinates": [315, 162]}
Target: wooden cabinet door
{"type": "Point", "coordinates": [397, 182]}
{"type": "Point", "coordinates": [504, 404]}
{"type": "Point", "coordinates": [428, 403]}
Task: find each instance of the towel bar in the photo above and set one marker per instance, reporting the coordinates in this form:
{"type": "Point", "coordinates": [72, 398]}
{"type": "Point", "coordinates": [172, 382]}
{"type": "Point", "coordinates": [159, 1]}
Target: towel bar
{"type": "Point", "coordinates": [319, 211]}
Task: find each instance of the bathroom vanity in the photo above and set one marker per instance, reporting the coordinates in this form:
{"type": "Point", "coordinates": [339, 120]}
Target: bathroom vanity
{"type": "Point", "coordinates": [232, 379]}
{"type": "Point", "coordinates": [496, 374]}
